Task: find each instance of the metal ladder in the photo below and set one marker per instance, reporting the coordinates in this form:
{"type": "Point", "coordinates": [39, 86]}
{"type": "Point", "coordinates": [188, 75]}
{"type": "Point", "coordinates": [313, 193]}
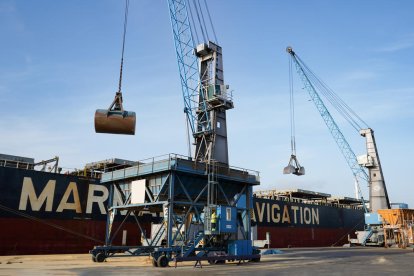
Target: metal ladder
{"type": "Point", "coordinates": [189, 248]}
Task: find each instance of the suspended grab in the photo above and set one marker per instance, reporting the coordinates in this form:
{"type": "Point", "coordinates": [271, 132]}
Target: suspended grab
{"type": "Point", "coordinates": [116, 120]}
{"type": "Point", "coordinates": [293, 166]}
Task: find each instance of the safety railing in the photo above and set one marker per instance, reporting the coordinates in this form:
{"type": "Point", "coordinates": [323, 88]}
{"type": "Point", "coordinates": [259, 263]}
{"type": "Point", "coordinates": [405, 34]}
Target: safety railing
{"type": "Point", "coordinates": [272, 194]}
{"type": "Point", "coordinates": [175, 162]}
{"type": "Point", "coordinates": [16, 164]}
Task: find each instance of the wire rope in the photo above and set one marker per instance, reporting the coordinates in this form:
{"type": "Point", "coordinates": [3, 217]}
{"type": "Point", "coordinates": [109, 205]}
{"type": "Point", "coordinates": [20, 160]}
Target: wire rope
{"type": "Point", "coordinates": [211, 22]}
{"type": "Point", "coordinates": [199, 21]}
{"type": "Point", "coordinates": [202, 19]}
{"type": "Point", "coordinates": [123, 43]}
{"type": "Point", "coordinates": [190, 10]}
{"type": "Point", "coordinates": [337, 102]}
{"type": "Point", "coordinates": [292, 111]}
{"type": "Point", "coordinates": [200, 13]}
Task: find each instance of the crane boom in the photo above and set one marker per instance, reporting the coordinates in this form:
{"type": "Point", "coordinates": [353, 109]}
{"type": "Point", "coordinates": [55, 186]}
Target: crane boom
{"type": "Point", "coordinates": [339, 138]}
{"type": "Point", "coordinates": [194, 101]}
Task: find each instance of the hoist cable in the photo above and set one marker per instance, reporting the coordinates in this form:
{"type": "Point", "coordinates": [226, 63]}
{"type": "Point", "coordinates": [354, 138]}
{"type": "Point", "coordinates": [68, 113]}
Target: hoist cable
{"type": "Point", "coordinates": [292, 111]}
{"type": "Point", "coordinates": [197, 10]}
{"type": "Point", "coordinates": [211, 22]}
{"type": "Point", "coordinates": [199, 21]}
{"type": "Point", "coordinates": [188, 135]}
{"type": "Point", "coordinates": [123, 43]}
{"type": "Point", "coordinates": [194, 29]}
{"type": "Point", "coordinates": [330, 97]}
{"type": "Point", "coordinates": [338, 103]}
{"type": "Point", "coordinates": [342, 108]}
{"type": "Point", "coordinates": [204, 22]}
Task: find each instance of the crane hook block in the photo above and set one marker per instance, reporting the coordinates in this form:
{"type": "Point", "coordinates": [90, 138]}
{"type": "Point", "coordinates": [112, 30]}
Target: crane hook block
{"type": "Point", "coordinates": [294, 167]}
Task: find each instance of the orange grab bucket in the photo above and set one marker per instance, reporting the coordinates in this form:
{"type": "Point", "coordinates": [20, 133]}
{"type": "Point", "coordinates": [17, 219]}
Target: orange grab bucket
{"type": "Point", "coordinates": [115, 121]}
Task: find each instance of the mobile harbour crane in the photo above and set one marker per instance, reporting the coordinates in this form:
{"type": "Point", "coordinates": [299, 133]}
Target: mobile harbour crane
{"type": "Point", "coordinates": [378, 196]}
{"type": "Point", "coordinates": [206, 203]}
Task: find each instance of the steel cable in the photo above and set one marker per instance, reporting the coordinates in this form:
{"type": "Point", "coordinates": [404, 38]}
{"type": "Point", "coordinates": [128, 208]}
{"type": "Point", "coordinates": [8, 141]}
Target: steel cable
{"type": "Point", "coordinates": [204, 22]}
{"type": "Point", "coordinates": [123, 43]}
{"type": "Point", "coordinates": [190, 11]}
{"type": "Point", "coordinates": [199, 21]}
{"type": "Point", "coordinates": [342, 108]}
{"type": "Point", "coordinates": [292, 111]}
{"type": "Point", "coordinates": [211, 22]}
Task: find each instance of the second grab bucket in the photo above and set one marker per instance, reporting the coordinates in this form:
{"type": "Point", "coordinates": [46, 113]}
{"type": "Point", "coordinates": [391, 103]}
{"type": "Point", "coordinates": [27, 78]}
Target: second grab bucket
{"type": "Point", "coordinates": [294, 167]}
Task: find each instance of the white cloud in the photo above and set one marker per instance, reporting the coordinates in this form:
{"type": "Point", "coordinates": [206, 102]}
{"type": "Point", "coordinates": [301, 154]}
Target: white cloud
{"type": "Point", "coordinates": [402, 44]}
{"type": "Point", "coordinates": [358, 75]}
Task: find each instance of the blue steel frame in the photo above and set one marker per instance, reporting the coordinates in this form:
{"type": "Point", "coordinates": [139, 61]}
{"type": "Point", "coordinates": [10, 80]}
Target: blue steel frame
{"type": "Point", "coordinates": [183, 190]}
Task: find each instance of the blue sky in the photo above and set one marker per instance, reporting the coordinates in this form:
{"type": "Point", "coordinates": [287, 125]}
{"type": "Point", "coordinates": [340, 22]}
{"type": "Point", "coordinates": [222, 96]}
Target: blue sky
{"type": "Point", "coordinates": [59, 61]}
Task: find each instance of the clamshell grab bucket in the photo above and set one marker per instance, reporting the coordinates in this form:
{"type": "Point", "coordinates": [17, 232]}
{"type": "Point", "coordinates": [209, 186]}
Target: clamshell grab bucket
{"type": "Point", "coordinates": [115, 121]}
{"type": "Point", "coordinates": [294, 167]}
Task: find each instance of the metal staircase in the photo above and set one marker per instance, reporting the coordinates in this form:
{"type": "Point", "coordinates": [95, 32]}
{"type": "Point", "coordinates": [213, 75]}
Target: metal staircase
{"type": "Point", "coordinates": [189, 248]}
{"type": "Point", "coordinates": [368, 236]}
{"type": "Point", "coordinates": [158, 236]}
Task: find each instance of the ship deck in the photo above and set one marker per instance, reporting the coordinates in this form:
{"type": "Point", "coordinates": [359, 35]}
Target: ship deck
{"type": "Point", "coordinates": [310, 197]}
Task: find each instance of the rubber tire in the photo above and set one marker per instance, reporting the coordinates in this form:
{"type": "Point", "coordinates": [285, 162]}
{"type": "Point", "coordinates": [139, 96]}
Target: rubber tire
{"type": "Point", "coordinates": [256, 260]}
{"type": "Point", "coordinates": [100, 257]}
{"type": "Point", "coordinates": [162, 261]}
{"type": "Point", "coordinates": [93, 258]}
{"type": "Point", "coordinates": [154, 262]}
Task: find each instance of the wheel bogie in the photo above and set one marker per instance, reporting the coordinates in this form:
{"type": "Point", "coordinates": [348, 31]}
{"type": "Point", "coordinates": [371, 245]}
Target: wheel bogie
{"type": "Point", "coordinates": [100, 257]}
{"type": "Point", "coordinates": [162, 261]}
